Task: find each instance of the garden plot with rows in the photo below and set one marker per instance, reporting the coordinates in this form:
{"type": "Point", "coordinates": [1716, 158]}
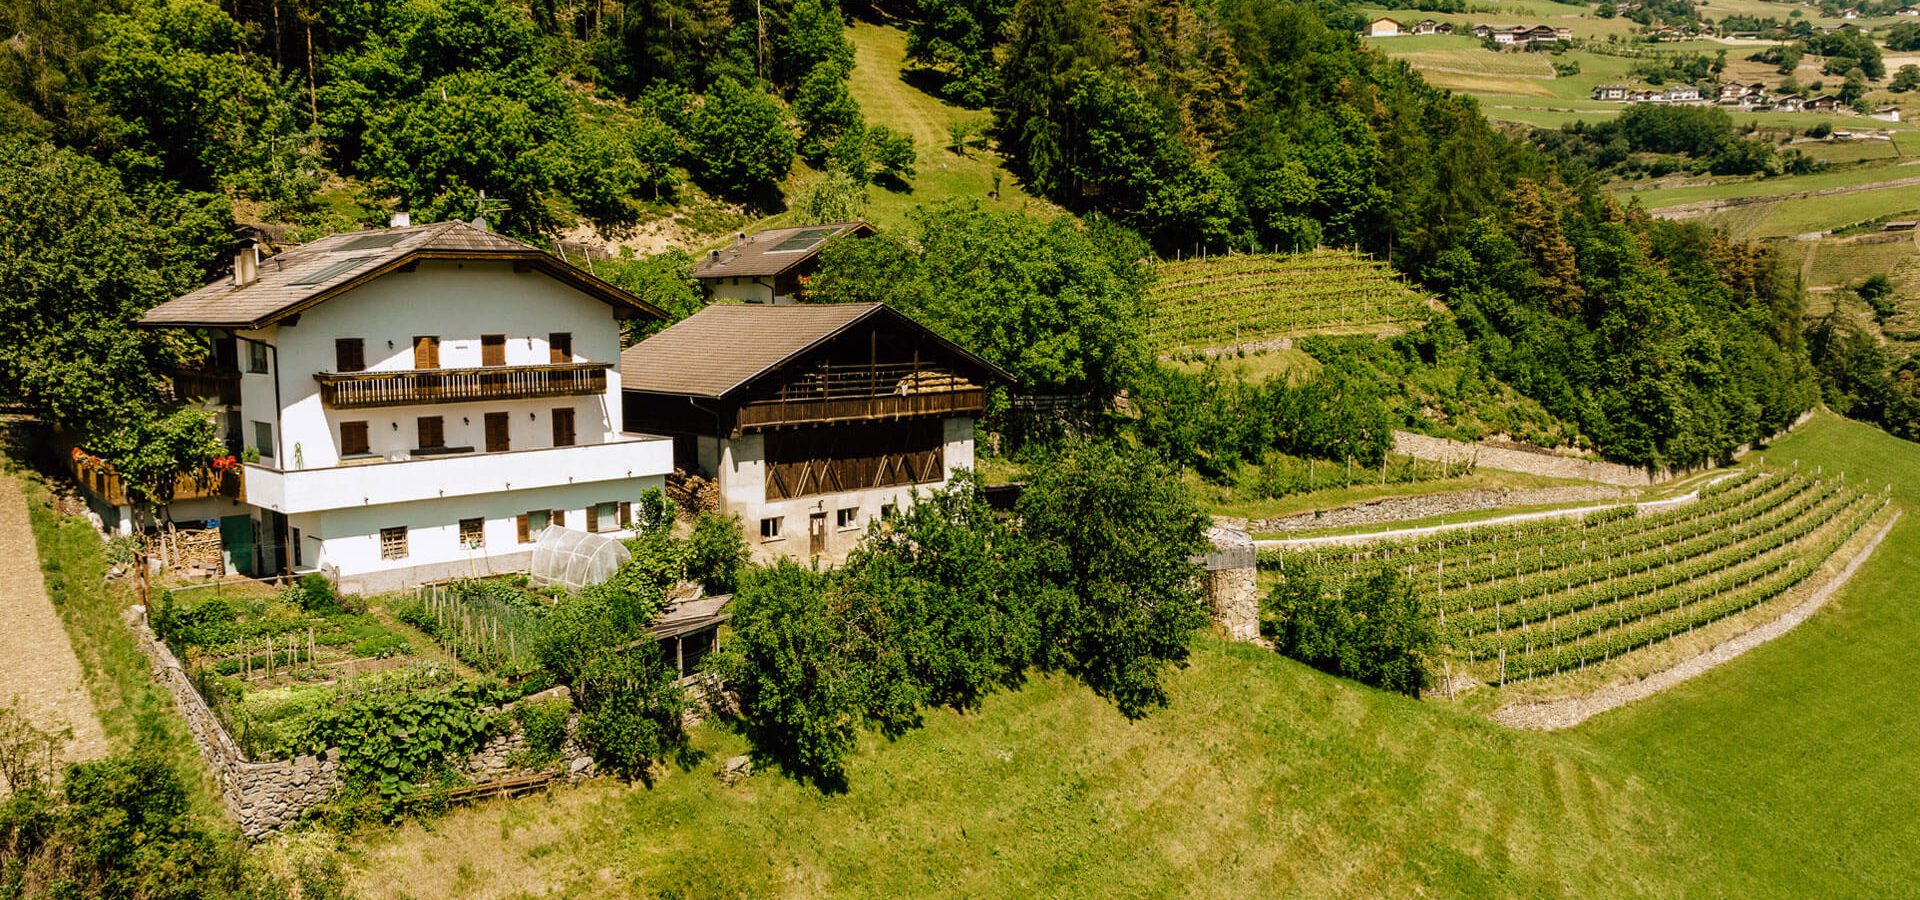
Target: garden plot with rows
{"type": "Point", "coordinates": [1535, 599]}
{"type": "Point", "coordinates": [1234, 300]}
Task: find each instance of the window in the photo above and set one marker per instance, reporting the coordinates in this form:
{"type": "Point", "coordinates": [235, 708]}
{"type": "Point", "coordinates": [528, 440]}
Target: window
{"type": "Point", "coordinates": [887, 510]}
{"type": "Point", "coordinates": [433, 432]}
{"type": "Point", "coordinates": [354, 440]}
{"type": "Point", "coordinates": [426, 352]}
{"type": "Point", "coordinates": [473, 533]}
{"type": "Point", "coordinates": [256, 357]}
{"type": "Point", "coordinates": [847, 518]}
{"type": "Point", "coordinates": [531, 524]}
{"type": "Point", "coordinates": [560, 347]}
{"type": "Point", "coordinates": [493, 349]}
{"type": "Point", "coordinates": [393, 543]}
{"type": "Point", "coordinates": [297, 561]}
{"type": "Point", "coordinates": [498, 438]}
{"type": "Point", "coordinates": [563, 427]}
{"type": "Point", "coordinates": [263, 439]}
{"type": "Point", "coordinates": [603, 516]}
{"type": "Point", "coordinates": [349, 355]}
{"type": "Point", "coordinates": [770, 528]}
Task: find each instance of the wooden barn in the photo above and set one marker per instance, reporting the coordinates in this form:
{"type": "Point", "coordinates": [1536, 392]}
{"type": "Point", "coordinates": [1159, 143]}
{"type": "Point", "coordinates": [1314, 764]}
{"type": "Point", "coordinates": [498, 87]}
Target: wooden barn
{"type": "Point", "coordinates": [812, 420]}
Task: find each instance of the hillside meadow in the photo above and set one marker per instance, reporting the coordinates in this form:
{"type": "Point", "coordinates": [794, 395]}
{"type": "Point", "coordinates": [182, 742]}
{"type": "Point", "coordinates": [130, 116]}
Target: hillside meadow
{"type": "Point", "coordinates": [1788, 771]}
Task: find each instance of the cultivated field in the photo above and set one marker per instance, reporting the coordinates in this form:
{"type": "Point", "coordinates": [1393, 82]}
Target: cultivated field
{"type": "Point", "coordinates": [1233, 300]}
{"type": "Point", "coordinates": [1540, 598]}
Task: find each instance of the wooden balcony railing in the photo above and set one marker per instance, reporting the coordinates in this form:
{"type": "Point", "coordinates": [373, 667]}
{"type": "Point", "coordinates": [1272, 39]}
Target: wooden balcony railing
{"type": "Point", "coordinates": [852, 393]}
{"type": "Point", "coordinates": [103, 482]}
{"type": "Point", "coordinates": [206, 384]}
{"type": "Point", "coordinates": [359, 390]}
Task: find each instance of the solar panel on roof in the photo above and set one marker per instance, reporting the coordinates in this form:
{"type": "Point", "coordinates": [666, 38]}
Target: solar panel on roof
{"type": "Point", "coordinates": [333, 270]}
{"type": "Point", "coordinates": [372, 242]}
{"type": "Point", "coordinates": [802, 241]}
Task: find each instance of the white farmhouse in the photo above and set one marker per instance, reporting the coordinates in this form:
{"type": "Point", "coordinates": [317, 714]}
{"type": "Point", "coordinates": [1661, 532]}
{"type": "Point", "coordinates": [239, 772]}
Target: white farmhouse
{"type": "Point", "coordinates": [423, 401]}
{"type": "Point", "coordinates": [771, 266]}
{"type": "Point", "coordinates": [812, 419]}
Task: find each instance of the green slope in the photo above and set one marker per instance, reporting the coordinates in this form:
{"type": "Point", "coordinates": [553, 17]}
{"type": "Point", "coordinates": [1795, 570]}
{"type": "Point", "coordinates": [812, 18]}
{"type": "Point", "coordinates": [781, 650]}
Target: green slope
{"type": "Point", "coordinates": [1799, 765]}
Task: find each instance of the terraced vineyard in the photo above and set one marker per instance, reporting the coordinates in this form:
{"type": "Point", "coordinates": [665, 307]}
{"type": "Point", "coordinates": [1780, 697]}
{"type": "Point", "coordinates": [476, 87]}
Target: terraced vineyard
{"type": "Point", "coordinates": [1232, 300]}
{"type": "Point", "coordinates": [1538, 598]}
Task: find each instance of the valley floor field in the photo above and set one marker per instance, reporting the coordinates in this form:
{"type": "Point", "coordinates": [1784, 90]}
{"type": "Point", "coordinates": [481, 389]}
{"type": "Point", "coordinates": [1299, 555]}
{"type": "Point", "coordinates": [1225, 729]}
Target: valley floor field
{"type": "Point", "coordinates": [1789, 771]}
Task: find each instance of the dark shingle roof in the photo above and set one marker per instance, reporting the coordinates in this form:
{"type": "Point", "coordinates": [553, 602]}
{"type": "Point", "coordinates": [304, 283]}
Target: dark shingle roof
{"type": "Point", "coordinates": [310, 273]}
{"type": "Point", "coordinates": [774, 251]}
{"type": "Point", "coordinates": [723, 347]}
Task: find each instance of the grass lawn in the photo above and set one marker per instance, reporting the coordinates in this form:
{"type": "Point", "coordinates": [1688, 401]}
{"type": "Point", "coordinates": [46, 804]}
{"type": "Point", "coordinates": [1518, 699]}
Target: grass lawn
{"type": "Point", "coordinates": [1768, 187]}
{"type": "Point", "coordinates": [1804, 214]}
{"type": "Point", "coordinates": [1797, 764]}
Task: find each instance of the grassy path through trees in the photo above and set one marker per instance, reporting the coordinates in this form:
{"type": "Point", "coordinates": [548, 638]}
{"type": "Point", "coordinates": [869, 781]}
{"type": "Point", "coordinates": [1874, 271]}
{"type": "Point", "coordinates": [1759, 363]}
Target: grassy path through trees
{"type": "Point", "coordinates": [38, 669]}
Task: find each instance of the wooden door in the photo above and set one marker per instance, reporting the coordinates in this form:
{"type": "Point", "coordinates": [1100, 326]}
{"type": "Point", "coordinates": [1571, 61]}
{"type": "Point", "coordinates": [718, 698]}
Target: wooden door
{"type": "Point", "coordinates": [497, 439]}
{"type": "Point", "coordinates": [817, 534]}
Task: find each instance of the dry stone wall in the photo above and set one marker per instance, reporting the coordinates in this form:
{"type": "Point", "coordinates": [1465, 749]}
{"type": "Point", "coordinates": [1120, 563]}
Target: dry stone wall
{"type": "Point", "coordinates": [1513, 459]}
{"type": "Point", "coordinates": [264, 796]}
{"type": "Point", "coordinates": [1400, 509]}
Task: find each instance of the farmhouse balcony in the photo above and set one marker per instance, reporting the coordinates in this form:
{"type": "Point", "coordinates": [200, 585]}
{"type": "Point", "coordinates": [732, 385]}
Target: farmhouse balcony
{"type": "Point", "coordinates": [100, 480]}
{"type": "Point", "coordinates": [206, 384]}
{"type": "Point", "coordinates": [856, 393]}
{"type": "Point", "coordinates": [360, 390]}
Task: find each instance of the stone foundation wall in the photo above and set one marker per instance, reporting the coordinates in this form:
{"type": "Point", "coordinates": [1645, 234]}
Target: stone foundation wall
{"type": "Point", "coordinates": [264, 796]}
{"type": "Point", "coordinates": [1401, 509]}
{"type": "Point", "coordinates": [1232, 590]}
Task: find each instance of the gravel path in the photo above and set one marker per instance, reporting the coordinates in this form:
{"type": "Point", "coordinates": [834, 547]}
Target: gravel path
{"type": "Point", "coordinates": [38, 670]}
{"type": "Point", "coordinates": [1556, 715]}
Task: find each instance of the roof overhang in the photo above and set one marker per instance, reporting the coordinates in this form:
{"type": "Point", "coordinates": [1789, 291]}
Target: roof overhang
{"type": "Point", "coordinates": [624, 303]}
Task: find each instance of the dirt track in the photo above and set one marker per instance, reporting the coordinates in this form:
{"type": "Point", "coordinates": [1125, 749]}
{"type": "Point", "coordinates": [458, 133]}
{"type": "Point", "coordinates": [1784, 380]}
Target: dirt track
{"type": "Point", "coordinates": [38, 670]}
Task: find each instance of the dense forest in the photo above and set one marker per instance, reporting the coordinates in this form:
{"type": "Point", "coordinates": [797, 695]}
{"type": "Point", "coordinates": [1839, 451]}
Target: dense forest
{"type": "Point", "coordinates": [136, 132]}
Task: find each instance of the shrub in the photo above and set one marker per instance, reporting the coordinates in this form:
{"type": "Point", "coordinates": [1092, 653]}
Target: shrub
{"type": "Point", "coordinates": [1376, 631]}
{"type": "Point", "coordinates": [631, 708]}
{"type": "Point", "coordinates": [543, 724]}
{"type": "Point", "coordinates": [392, 741]}
{"type": "Point", "coordinates": [1114, 533]}
{"type": "Point", "coordinates": [798, 690]}
{"type": "Point", "coordinates": [716, 552]}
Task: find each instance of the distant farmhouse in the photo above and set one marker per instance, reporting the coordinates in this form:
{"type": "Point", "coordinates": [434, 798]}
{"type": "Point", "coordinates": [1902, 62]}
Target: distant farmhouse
{"type": "Point", "coordinates": [1429, 26]}
{"type": "Point", "coordinates": [1747, 97]}
{"type": "Point", "coordinates": [1523, 35]}
{"type": "Point", "coordinates": [813, 420]}
{"type": "Point", "coordinates": [1383, 27]}
{"type": "Point", "coordinates": [771, 266]}
{"type": "Point", "coordinates": [411, 403]}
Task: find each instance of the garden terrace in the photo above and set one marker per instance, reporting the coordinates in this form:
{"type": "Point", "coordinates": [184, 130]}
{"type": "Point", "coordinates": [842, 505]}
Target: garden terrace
{"type": "Point", "coordinates": [1537, 598]}
{"type": "Point", "coordinates": [1234, 300]}
{"type": "Point", "coordinates": [99, 478]}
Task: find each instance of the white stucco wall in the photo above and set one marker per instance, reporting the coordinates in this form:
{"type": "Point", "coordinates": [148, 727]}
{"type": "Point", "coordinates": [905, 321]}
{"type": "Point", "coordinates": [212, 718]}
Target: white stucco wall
{"type": "Point", "coordinates": [349, 539]}
{"type": "Point", "coordinates": [743, 492]}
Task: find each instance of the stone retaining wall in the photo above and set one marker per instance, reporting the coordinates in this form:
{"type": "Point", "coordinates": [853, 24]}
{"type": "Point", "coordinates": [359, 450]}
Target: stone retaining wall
{"type": "Point", "coordinates": [1401, 509]}
{"type": "Point", "coordinates": [264, 796]}
{"type": "Point", "coordinates": [1532, 462]}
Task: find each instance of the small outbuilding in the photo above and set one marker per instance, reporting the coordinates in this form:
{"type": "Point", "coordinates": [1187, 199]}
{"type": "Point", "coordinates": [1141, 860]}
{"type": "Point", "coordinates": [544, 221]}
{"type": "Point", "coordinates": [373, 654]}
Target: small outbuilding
{"type": "Point", "coordinates": [771, 266]}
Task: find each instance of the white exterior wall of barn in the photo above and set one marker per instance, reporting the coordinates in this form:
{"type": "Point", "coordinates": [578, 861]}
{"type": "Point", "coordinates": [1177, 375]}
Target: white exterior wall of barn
{"type": "Point", "coordinates": [742, 290]}
{"type": "Point", "coordinates": [743, 492]}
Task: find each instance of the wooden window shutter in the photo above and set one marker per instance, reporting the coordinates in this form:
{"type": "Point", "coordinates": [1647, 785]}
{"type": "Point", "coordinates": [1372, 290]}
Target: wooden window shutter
{"type": "Point", "coordinates": [498, 434]}
{"type": "Point", "coordinates": [559, 517]}
{"type": "Point", "coordinates": [520, 528]}
{"type": "Point", "coordinates": [593, 517]}
{"type": "Point", "coordinates": [353, 438]}
{"type": "Point", "coordinates": [563, 435]}
{"type": "Point", "coordinates": [426, 352]}
{"type": "Point", "coordinates": [560, 347]}
{"type": "Point", "coordinates": [349, 355]}
{"type": "Point", "coordinates": [626, 514]}
{"type": "Point", "coordinates": [493, 349]}
{"type": "Point", "coordinates": [432, 432]}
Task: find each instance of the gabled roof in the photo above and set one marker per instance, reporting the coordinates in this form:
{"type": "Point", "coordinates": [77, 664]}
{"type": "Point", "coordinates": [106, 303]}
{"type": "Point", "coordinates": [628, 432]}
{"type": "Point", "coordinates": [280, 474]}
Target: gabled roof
{"type": "Point", "coordinates": [306, 275]}
{"type": "Point", "coordinates": [774, 251]}
{"type": "Point", "coordinates": [718, 350]}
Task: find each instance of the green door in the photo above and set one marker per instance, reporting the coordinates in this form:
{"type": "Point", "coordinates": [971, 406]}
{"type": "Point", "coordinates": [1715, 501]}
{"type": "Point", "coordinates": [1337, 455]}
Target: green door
{"type": "Point", "coordinates": [236, 543]}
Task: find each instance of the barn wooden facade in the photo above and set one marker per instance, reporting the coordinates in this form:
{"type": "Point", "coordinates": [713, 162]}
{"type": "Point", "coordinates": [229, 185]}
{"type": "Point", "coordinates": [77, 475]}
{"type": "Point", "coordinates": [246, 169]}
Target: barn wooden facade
{"type": "Point", "coordinates": [811, 419]}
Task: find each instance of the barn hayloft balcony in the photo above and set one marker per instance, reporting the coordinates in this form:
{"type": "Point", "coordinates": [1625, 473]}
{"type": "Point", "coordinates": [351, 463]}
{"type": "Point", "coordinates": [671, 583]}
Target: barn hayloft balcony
{"type": "Point", "coordinates": [863, 392]}
{"type": "Point", "coordinates": [219, 385]}
{"type": "Point", "coordinates": [360, 390]}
